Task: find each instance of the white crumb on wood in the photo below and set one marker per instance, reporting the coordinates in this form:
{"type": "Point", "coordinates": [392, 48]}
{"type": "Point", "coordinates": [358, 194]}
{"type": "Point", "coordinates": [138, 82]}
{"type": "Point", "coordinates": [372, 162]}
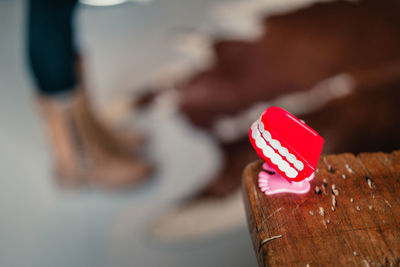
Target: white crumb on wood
{"type": "Point", "coordinates": [350, 170]}
{"type": "Point", "coordinates": [370, 183]}
{"type": "Point", "coordinates": [324, 185]}
{"type": "Point", "coordinates": [333, 201]}
{"type": "Point", "coordinates": [335, 190]}
{"type": "Point", "coordinates": [321, 211]}
{"type": "Point", "coordinates": [317, 189]}
{"type": "Point", "coordinates": [328, 166]}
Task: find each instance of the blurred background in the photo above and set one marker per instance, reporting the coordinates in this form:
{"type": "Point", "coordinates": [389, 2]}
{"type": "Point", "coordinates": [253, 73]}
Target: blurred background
{"type": "Point", "coordinates": [137, 160]}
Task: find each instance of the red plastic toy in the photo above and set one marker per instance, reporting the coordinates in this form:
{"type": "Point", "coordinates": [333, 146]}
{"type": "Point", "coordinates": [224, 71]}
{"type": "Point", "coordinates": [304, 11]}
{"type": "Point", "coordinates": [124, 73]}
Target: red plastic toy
{"type": "Point", "coordinates": [286, 143]}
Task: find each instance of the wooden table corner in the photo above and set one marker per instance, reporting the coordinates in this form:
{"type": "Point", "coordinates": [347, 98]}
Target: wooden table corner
{"type": "Point", "coordinates": [354, 220]}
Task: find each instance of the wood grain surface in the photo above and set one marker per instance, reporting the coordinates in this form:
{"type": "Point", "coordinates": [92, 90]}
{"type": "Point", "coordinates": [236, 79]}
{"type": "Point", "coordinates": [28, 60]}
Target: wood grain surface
{"type": "Point", "coordinates": [357, 223]}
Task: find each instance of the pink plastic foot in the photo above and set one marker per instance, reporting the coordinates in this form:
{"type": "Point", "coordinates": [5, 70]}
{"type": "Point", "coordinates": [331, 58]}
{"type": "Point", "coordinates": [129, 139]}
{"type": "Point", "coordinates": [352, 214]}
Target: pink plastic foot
{"type": "Point", "coordinates": [271, 182]}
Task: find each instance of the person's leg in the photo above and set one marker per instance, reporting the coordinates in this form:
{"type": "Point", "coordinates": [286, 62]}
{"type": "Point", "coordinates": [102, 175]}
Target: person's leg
{"type": "Point", "coordinates": [84, 150]}
{"type": "Point", "coordinates": [51, 55]}
{"type": "Point", "coordinates": [51, 45]}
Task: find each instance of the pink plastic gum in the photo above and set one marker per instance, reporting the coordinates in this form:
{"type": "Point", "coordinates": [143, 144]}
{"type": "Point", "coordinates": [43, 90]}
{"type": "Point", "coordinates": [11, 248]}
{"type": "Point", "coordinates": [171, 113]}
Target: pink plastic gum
{"type": "Point", "coordinates": [272, 182]}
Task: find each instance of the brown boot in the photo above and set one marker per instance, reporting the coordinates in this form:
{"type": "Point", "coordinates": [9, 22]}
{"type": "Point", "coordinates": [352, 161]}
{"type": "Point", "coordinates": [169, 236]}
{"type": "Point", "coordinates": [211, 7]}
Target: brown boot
{"type": "Point", "coordinates": [83, 152]}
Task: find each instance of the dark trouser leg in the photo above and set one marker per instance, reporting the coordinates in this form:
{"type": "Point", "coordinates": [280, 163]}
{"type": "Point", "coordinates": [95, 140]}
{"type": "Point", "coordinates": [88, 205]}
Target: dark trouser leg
{"type": "Point", "coordinates": [51, 45]}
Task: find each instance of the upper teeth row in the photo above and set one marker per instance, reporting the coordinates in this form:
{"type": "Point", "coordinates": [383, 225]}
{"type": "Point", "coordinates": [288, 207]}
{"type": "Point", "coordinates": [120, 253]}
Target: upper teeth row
{"type": "Point", "coordinates": [281, 149]}
{"type": "Point", "coordinates": [266, 147]}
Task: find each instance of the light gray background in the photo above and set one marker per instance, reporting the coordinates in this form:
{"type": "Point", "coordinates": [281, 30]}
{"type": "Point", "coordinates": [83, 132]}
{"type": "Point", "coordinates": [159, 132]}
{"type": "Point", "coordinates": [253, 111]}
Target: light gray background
{"type": "Point", "coordinates": [43, 226]}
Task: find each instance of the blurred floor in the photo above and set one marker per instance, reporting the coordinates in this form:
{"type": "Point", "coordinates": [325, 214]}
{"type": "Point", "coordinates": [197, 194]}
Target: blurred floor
{"type": "Point", "coordinates": [43, 226]}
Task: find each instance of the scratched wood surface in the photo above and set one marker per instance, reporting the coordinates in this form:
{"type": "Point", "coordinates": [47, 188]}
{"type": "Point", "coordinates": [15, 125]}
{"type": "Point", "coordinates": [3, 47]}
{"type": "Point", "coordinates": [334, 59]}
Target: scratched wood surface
{"type": "Point", "coordinates": [357, 223]}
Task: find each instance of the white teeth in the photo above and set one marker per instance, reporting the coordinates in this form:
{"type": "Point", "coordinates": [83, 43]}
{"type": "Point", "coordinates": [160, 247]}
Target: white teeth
{"type": "Point", "coordinates": [299, 165]}
{"type": "Point", "coordinates": [275, 144]}
{"type": "Point", "coordinates": [264, 141]}
{"type": "Point", "coordinates": [268, 151]}
{"type": "Point", "coordinates": [291, 173]}
{"type": "Point", "coordinates": [254, 126]}
{"type": "Point", "coordinates": [283, 151]}
{"type": "Point", "coordinates": [261, 143]}
{"type": "Point", "coordinates": [267, 136]}
{"type": "Point", "coordinates": [291, 158]}
{"type": "Point", "coordinates": [284, 166]}
{"type": "Point", "coordinates": [265, 133]}
{"type": "Point", "coordinates": [276, 159]}
{"type": "Point", "coordinates": [261, 124]}
{"type": "Point", "coordinates": [254, 133]}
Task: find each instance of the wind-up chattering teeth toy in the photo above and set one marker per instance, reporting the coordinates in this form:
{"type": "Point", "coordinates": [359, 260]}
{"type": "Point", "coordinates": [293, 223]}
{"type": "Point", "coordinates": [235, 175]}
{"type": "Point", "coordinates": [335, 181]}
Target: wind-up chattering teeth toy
{"type": "Point", "coordinates": [290, 149]}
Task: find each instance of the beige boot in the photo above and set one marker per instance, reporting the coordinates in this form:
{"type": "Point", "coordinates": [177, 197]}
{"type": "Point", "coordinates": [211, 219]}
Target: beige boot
{"type": "Point", "coordinates": [69, 169]}
{"type": "Point", "coordinates": [130, 141]}
{"type": "Point", "coordinates": [83, 152]}
{"type": "Point", "coordinates": [91, 126]}
{"type": "Point", "coordinates": [113, 166]}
